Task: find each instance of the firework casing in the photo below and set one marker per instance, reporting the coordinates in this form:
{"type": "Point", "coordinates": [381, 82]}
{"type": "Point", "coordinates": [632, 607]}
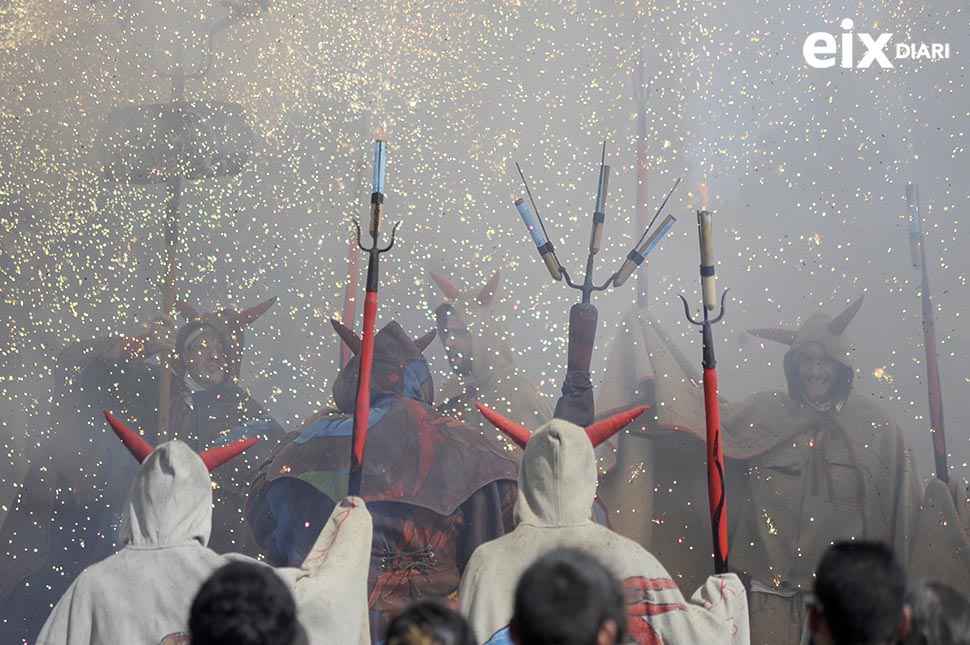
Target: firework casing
{"type": "Point", "coordinates": [706, 233]}
{"type": "Point", "coordinates": [545, 247]}
{"type": "Point", "coordinates": [599, 215]}
{"type": "Point", "coordinates": [638, 254]}
{"type": "Point", "coordinates": [915, 223]}
{"type": "Point", "coordinates": [377, 194]}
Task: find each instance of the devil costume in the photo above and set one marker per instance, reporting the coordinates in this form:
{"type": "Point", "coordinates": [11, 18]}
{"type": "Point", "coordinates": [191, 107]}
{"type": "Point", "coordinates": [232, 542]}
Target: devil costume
{"type": "Point", "coordinates": [69, 512]}
{"type": "Point", "coordinates": [435, 487]}
{"type": "Point", "coordinates": [143, 593]}
{"type": "Point", "coordinates": [800, 476]}
{"type": "Point", "coordinates": [557, 483]}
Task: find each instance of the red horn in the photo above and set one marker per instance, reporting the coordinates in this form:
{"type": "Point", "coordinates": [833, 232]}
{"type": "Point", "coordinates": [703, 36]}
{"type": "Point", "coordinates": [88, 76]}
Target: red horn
{"type": "Point", "coordinates": [215, 457]}
{"type": "Point", "coordinates": [447, 288]}
{"type": "Point", "coordinates": [603, 430]}
{"type": "Point", "coordinates": [784, 336]}
{"type": "Point", "coordinates": [487, 293]}
{"type": "Point", "coordinates": [133, 442]}
{"type": "Point", "coordinates": [518, 434]}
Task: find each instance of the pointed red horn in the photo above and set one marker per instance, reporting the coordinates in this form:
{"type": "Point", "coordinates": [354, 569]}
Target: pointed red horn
{"type": "Point", "coordinates": [133, 442]}
{"type": "Point", "coordinates": [518, 434]}
{"type": "Point", "coordinates": [249, 315]}
{"type": "Point", "coordinates": [487, 293]}
{"type": "Point", "coordinates": [600, 432]}
{"type": "Point", "coordinates": [447, 288]}
{"type": "Point", "coordinates": [215, 457]}
{"type": "Point", "coordinates": [784, 336]}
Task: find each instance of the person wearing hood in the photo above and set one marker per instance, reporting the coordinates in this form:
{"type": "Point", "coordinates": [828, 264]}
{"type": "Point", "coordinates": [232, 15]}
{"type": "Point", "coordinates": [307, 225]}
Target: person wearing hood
{"type": "Point", "coordinates": [143, 593]}
{"type": "Point", "coordinates": [557, 485]}
{"type": "Point", "coordinates": [477, 344]}
{"type": "Point", "coordinates": [817, 464]}
{"type": "Point", "coordinates": [69, 512]}
{"type": "Point", "coordinates": [435, 487]}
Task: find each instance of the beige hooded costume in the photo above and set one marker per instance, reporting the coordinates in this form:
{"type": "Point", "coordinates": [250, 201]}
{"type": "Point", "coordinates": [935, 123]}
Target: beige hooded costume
{"type": "Point", "coordinates": [494, 380]}
{"type": "Point", "coordinates": [800, 477]}
{"type": "Point", "coordinates": [142, 594]}
{"type": "Point", "coordinates": [557, 484]}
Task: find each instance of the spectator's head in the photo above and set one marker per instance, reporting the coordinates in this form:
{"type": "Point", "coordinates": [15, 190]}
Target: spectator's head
{"type": "Point", "coordinates": [243, 604]}
{"type": "Point", "coordinates": [429, 622]}
{"type": "Point", "coordinates": [568, 598]}
{"type": "Point", "coordinates": [940, 616]}
{"type": "Point", "coordinates": [859, 593]}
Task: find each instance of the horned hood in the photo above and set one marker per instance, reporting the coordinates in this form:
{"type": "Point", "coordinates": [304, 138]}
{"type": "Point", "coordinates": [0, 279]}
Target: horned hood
{"type": "Point", "coordinates": [170, 502]}
{"type": "Point", "coordinates": [829, 333]}
{"type": "Point", "coordinates": [399, 368]}
{"type": "Point", "coordinates": [557, 477]}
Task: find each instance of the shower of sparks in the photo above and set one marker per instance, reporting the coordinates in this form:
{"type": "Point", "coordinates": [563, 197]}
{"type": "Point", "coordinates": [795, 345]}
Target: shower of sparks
{"type": "Point", "coordinates": [805, 168]}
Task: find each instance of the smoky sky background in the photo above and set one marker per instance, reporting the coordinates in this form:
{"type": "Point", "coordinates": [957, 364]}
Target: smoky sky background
{"type": "Point", "coordinates": [805, 171]}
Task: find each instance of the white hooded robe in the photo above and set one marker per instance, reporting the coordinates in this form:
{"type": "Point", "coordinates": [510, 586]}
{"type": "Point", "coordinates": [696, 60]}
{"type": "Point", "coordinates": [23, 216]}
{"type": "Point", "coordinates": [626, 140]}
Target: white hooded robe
{"type": "Point", "coordinates": [557, 484]}
{"type": "Point", "coordinates": [142, 594]}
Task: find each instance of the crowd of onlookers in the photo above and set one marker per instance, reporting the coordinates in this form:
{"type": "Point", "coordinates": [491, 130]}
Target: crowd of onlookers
{"type": "Point", "coordinates": [568, 597]}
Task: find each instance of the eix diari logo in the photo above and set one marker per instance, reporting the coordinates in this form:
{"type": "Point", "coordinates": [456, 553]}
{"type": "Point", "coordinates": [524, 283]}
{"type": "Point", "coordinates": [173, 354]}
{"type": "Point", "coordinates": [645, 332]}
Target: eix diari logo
{"type": "Point", "coordinates": [821, 49]}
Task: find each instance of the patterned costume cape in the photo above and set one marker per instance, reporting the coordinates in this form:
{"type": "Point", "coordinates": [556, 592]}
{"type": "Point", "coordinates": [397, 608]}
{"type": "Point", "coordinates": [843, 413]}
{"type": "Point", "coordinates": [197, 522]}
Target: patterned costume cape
{"type": "Point", "coordinates": [436, 487]}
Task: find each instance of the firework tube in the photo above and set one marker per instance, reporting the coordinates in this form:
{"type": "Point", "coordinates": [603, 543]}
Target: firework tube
{"type": "Point", "coordinates": [546, 250]}
{"type": "Point", "coordinates": [377, 195]}
{"type": "Point", "coordinates": [599, 215]}
{"type": "Point", "coordinates": [635, 257]}
{"type": "Point", "coordinates": [705, 230]}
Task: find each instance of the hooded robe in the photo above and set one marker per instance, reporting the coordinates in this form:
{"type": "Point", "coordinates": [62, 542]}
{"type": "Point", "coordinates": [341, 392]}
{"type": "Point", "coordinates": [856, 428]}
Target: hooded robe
{"type": "Point", "coordinates": [435, 487]}
{"type": "Point", "coordinates": [71, 504]}
{"type": "Point", "coordinates": [143, 593]}
{"type": "Point", "coordinates": [799, 478]}
{"type": "Point", "coordinates": [494, 380]}
{"type": "Point", "coordinates": [557, 484]}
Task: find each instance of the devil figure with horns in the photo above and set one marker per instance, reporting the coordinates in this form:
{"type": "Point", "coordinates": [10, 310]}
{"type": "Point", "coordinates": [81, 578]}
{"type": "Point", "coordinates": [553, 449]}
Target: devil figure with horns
{"type": "Point", "coordinates": [142, 593]}
{"type": "Point", "coordinates": [815, 464]}
{"type": "Point", "coordinates": [435, 486]}
{"type": "Point", "coordinates": [557, 485]}
{"type": "Point", "coordinates": [70, 508]}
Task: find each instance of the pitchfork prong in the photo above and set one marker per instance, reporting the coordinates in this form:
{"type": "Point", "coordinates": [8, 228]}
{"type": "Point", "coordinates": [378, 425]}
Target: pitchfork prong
{"type": "Point", "coordinates": [720, 314]}
{"type": "Point", "coordinates": [388, 247]}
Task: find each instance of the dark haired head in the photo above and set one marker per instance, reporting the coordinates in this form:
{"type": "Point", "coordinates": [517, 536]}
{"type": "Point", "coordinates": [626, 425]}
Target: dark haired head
{"type": "Point", "coordinates": [568, 598]}
{"type": "Point", "coordinates": [429, 622]}
{"type": "Point", "coordinates": [859, 593]}
{"type": "Point", "coordinates": [243, 604]}
{"type": "Point", "coordinates": [940, 616]}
